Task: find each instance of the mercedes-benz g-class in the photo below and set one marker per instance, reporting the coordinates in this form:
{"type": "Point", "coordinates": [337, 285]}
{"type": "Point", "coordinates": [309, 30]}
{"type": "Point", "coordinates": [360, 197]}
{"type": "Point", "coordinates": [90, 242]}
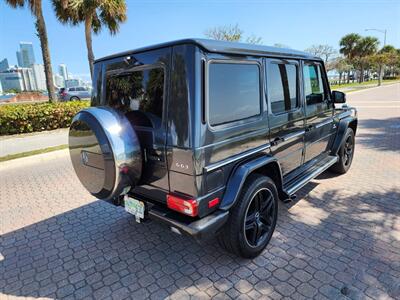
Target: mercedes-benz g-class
{"type": "Point", "coordinates": [206, 136]}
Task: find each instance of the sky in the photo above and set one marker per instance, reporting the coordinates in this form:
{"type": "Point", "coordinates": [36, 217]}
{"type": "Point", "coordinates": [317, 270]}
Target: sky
{"type": "Point", "coordinates": [298, 24]}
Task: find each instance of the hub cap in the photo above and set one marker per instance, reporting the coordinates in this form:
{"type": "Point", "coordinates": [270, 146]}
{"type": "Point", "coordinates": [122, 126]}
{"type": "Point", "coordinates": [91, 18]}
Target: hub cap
{"type": "Point", "coordinates": [259, 218]}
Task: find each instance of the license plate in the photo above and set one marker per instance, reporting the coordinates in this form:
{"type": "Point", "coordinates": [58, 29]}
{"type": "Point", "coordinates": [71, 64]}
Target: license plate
{"type": "Point", "coordinates": [134, 207]}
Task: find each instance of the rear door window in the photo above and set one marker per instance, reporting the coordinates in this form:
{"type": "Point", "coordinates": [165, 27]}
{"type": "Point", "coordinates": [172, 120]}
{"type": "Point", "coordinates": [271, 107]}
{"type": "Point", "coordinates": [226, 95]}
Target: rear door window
{"type": "Point", "coordinates": [282, 89]}
{"type": "Point", "coordinates": [233, 92]}
{"type": "Point", "coordinates": [141, 91]}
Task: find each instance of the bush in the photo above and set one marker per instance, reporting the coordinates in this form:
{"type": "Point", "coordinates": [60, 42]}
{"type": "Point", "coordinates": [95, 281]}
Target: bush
{"type": "Point", "coordinates": [23, 118]}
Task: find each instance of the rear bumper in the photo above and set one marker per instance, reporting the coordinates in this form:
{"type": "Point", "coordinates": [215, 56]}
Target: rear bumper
{"type": "Point", "coordinates": [200, 229]}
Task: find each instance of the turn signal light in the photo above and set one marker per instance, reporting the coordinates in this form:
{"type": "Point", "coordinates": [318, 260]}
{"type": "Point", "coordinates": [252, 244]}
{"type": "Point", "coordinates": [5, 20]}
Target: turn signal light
{"type": "Point", "coordinates": [187, 207]}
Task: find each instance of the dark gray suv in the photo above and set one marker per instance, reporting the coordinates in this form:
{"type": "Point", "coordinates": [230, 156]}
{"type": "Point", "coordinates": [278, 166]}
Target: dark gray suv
{"type": "Point", "coordinates": [207, 136]}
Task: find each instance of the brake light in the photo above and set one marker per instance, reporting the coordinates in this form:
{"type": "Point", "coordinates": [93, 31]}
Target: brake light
{"type": "Point", "coordinates": [187, 207]}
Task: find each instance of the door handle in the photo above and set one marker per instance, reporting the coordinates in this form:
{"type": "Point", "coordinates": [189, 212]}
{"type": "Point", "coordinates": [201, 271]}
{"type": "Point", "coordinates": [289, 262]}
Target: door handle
{"type": "Point", "coordinates": [277, 140]}
{"type": "Point", "coordinates": [309, 128]}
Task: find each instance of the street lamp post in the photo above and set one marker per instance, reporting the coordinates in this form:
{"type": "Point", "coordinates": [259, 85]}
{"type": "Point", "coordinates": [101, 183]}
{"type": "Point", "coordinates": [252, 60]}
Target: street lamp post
{"type": "Point", "coordinates": [381, 67]}
{"type": "Point", "coordinates": [381, 31]}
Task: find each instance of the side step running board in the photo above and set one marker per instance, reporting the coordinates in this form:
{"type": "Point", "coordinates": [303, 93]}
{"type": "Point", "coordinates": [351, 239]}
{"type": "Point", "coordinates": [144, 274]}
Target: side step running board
{"type": "Point", "coordinates": [302, 180]}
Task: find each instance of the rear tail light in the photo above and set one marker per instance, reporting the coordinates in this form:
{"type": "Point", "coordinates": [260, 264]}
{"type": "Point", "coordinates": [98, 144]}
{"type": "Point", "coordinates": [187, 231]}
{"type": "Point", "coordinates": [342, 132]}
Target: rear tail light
{"type": "Point", "coordinates": [187, 207]}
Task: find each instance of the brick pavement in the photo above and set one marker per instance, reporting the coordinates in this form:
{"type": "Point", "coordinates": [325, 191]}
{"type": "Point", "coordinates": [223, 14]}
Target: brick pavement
{"type": "Point", "coordinates": [340, 239]}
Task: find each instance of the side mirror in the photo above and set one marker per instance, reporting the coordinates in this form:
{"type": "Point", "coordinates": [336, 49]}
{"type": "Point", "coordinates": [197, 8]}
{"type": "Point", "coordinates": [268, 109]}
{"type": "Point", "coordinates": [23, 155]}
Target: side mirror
{"type": "Point", "coordinates": [338, 97]}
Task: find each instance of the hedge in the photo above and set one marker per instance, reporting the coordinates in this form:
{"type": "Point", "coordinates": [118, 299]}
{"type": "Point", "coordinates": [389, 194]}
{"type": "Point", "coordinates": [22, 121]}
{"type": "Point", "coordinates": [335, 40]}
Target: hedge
{"type": "Point", "coordinates": [24, 118]}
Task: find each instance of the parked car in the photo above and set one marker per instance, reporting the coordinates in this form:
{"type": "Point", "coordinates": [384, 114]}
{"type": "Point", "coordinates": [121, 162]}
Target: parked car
{"type": "Point", "coordinates": [207, 136]}
{"type": "Point", "coordinates": [74, 93]}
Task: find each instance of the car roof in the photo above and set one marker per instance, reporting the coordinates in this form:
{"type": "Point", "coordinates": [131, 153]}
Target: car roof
{"type": "Point", "coordinates": [223, 47]}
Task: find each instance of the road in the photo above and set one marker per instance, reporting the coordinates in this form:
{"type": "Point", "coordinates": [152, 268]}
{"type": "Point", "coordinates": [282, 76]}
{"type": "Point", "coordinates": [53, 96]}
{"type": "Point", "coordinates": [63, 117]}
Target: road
{"type": "Point", "coordinates": [340, 239]}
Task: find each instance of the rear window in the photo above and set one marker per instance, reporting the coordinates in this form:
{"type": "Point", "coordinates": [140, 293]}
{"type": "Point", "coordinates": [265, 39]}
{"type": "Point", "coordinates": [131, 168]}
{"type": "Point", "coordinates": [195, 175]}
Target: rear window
{"type": "Point", "coordinates": [141, 90]}
{"type": "Point", "coordinates": [234, 92]}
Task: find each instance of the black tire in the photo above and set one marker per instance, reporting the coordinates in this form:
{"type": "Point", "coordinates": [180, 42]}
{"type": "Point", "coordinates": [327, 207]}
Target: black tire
{"type": "Point", "coordinates": [73, 98]}
{"type": "Point", "coordinates": [234, 237]}
{"type": "Point", "coordinates": [346, 153]}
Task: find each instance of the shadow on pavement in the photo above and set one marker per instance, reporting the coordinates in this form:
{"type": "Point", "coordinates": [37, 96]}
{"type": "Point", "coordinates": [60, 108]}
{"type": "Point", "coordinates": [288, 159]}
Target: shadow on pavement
{"type": "Point", "coordinates": [380, 134]}
{"type": "Point", "coordinates": [334, 245]}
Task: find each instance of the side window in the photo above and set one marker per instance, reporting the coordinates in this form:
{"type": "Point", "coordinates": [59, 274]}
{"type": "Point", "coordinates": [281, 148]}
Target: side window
{"type": "Point", "coordinates": [233, 92]}
{"type": "Point", "coordinates": [282, 87]}
{"type": "Point", "coordinates": [314, 88]}
{"type": "Point", "coordinates": [72, 90]}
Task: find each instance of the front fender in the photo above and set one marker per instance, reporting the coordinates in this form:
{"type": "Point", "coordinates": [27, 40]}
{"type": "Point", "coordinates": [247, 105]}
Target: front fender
{"type": "Point", "coordinates": [341, 133]}
{"type": "Point", "coordinates": [239, 176]}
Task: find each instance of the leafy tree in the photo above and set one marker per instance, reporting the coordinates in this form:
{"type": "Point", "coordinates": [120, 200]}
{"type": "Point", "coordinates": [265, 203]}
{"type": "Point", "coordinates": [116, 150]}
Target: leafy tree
{"type": "Point", "coordinates": [231, 33]}
{"type": "Point", "coordinates": [94, 14]}
{"type": "Point", "coordinates": [35, 7]}
{"type": "Point", "coordinates": [341, 65]}
{"type": "Point", "coordinates": [387, 56]}
{"type": "Point", "coordinates": [326, 52]}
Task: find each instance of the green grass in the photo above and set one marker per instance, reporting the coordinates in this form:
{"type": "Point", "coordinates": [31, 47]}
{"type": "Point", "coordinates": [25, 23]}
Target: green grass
{"type": "Point", "coordinates": [33, 152]}
{"type": "Point", "coordinates": [363, 84]}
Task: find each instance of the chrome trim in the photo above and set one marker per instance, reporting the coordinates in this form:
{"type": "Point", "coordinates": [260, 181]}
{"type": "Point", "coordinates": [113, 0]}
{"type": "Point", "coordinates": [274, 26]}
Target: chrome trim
{"type": "Point", "coordinates": [293, 135]}
{"type": "Point", "coordinates": [319, 125]}
{"type": "Point", "coordinates": [291, 190]}
{"type": "Point", "coordinates": [234, 158]}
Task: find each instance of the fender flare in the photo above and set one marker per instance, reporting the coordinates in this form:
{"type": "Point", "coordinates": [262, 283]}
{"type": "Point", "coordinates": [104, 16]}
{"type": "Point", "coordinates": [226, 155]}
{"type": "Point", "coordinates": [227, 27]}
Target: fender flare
{"type": "Point", "coordinates": [341, 133]}
{"type": "Point", "coordinates": [240, 175]}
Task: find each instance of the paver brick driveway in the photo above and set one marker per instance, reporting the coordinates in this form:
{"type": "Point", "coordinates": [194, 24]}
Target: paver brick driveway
{"type": "Point", "coordinates": [340, 239]}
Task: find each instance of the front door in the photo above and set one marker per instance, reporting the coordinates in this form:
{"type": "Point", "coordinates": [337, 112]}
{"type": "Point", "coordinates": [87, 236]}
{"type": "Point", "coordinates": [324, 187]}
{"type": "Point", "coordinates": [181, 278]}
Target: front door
{"type": "Point", "coordinates": [319, 111]}
{"type": "Point", "coordinates": [285, 114]}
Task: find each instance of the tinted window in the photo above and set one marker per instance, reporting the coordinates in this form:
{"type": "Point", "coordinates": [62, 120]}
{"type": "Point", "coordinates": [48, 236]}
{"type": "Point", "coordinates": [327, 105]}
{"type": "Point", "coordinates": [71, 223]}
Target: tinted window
{"type": "Point", "coordinates": [80, 89]}
{"type": "Point", "coordinates": [234, 92]}
{"type": "Point", "coordinates": [71, 89]}
{"type": "Point", "coordinates": [282, 87]}
{"type": "Point", "coordinates": [314, 90]}
{"type": "Point", "coordinates": [136, 91]}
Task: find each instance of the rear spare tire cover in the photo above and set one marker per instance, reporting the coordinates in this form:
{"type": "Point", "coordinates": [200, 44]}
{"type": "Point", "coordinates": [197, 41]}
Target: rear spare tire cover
{"type": "Point", "coordinates": [105, 152]}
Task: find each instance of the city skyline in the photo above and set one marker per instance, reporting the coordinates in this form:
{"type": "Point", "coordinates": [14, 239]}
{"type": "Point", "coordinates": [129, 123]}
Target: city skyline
{"type": "Point", "coordinates": [297, 24]}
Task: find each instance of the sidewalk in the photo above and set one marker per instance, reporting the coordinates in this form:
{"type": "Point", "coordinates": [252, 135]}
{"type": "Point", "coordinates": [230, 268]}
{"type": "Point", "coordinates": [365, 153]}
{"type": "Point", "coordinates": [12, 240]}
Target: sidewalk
{"type": "Point", "coordinates": [18, 143]}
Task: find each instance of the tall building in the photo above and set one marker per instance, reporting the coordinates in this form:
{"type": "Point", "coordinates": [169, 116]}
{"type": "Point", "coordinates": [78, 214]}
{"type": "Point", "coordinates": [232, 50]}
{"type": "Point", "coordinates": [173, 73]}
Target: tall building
{"type": "Point", "coordinates": [62, 70]}
{"type": "Point", "coordinates": [25, 55]}
{"type": "Point", "coordinates": [11, 80]}
{"type": "Point", "coordinates": [59, 80]}
{"type": "Point", "coordinates": [20, 79]}
{"type": "Point", "coordinates": [40, 77]}
{"type": "Point", "coordinates": [4, 65]}
{"type": "Point", "coordinates": [1, 88]}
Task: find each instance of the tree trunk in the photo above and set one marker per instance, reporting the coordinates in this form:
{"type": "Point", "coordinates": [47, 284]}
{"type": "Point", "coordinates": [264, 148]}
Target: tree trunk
{"type": "Point", "coordinates": [380, 75]}
{"type": "Point", "coordinates": [88, 36]}
{"type": "Point", "coordinates": [340, 78]}
{"type": "Point", "coordinates": [44, 44]}
{"type": "Point", "coordinates": [348, 76]}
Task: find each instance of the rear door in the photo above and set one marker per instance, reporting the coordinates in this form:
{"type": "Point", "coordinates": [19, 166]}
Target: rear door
{"type": "Point", "coordinates": [285, 113]}
{"type": "Point", "coordinates": [137, 85]}
{"type": "Point", "coordinates": [319, 110]}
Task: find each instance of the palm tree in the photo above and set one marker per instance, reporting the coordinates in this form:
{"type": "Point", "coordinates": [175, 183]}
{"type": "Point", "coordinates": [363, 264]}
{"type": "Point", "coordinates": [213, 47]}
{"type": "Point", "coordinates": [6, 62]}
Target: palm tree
{"type": "Point", "coordinates": [364, 49]}
{"type": "Point", "coordinates": [94, 14]}
{"type": "Point", "coordinates": [36, 10]}
{"type": "Point", "coordinates": [348, 47]}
